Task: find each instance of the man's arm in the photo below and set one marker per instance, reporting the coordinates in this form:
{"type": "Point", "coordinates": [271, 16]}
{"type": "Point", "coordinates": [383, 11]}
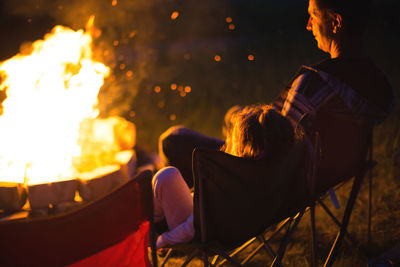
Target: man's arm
{"type": "Point", "coordinates": [305, 96]}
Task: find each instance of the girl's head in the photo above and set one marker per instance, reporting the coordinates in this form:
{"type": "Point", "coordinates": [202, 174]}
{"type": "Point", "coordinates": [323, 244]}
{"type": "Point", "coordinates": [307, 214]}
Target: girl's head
{"type": "Point", "coordinates": [258, 130]}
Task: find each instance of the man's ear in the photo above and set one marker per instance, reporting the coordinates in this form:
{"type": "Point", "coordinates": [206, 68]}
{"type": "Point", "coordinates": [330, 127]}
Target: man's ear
{"type": "Point", "coordinates": [337, 23]}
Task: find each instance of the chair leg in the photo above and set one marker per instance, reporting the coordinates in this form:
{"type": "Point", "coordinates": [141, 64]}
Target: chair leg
{"type": "Point", "coordinates": [263, 244]}
{"type": "Point", "coordinates": [225, 255]}
{"type": "Point", "coordinates": [336, 221]}
{"type": "Point", "coordinates": [153, 240]}
{"type": "Point", "coordinates": [191, 256]}
{"type": "Point", "coordinates": [251, 255]}
{"type": "Point", "coordinates": [370, 156]}
{"type": "Point", "coordinates": [267, 246]}
{"type": "Point", "coordinates": [313, 238]}
{"type": "Point", "coordinates": [345, 221]}
{"type": "Point", "coordinates": [205, 259]}
{"type": "Point", "coordinates": [166, 257]}
{"type": "Point", "coordinates": [369, 208]}
{"type": "Point", "coordinates": [237, 251]}
{"type": "Point", "coordinates": [285, 241]}
{"type": "Point", "coordinates": [215, 260]}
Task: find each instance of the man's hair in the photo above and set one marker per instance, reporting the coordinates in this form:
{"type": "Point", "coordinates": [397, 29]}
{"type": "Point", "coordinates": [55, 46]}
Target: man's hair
{"type": "Point", "coordinates": [355, 13]}
{"type": "Point", "coordinates": [258, 130]}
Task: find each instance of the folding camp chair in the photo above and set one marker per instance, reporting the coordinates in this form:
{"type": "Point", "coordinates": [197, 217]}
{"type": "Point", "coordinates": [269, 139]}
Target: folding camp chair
{"type": "Point", "coordinates": [237, 199]}
{"type": "Point", "coordinates": [223, 197]}
{"type": "Point", "coordinates": [111, 231]}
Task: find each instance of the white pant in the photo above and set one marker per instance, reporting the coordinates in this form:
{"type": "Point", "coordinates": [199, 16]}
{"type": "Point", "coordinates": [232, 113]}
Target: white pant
{"type": "Point", "coordinates": [173, 201]}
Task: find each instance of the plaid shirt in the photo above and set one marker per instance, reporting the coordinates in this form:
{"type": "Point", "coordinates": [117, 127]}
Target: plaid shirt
{"type": "Point", "coordinates": [313, 89]}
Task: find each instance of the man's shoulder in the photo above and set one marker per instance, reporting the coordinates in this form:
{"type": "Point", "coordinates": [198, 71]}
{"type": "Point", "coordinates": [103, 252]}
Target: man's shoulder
{"type": "Point", "coordinates": [363, 76]}
{"type": "Point", "coordinates": [308, 82]}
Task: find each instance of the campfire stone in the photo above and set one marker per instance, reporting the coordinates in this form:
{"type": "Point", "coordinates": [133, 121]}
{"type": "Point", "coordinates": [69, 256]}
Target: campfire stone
{"type": "Point", "coordinates": [97, 187]}
{"type": "Point", "coordinates": [42, 195]}
{"type": "Point", "coordinates": [12, 196]}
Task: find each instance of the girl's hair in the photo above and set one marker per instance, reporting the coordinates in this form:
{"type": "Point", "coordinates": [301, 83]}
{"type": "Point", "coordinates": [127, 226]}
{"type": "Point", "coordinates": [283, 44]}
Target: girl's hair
{"type": "Point", "coordinates": [258, 130]}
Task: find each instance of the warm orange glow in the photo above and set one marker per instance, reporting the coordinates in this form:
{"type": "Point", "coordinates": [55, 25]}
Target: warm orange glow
{"type": "Point", "coordinates": [101, 140]}
{"type": "Point", "coordinates": [157, 89]}
{"type": "Point", "coordinates": [228, 19]}
{"type": "Point", "coordinates": [114, 2]}
{"type": "Point", "coordinates": [122, 66]}
{"type": "Point", "coordinates": [161, 104]}
{"type": "Point", "coordinates": [173, 86]}
{"type": "Point", "coordinates": [174, 15]}
{"type": "Point", "coordinates": [188, 89]}
{"type": "Point", "coordinates": [231, 27]}
{"type": "Point", "coordinates": [186, 56]}
{"type": "Point", "coordinates": [29, 20]}
{"type": "Point", "coordinates": [129, 73]}
{"type": "Point", "coordinates": [116, 43]}
{"type": "Point", "coordinates": [250, 57]}
{"type": "Point", "coordinates": [49, 126]}
{"type": "Point", "coordinates": [217, 58]}
{"type": "Point", "coordinates": [132, 34]}
{"type": "Point", "coordinates": [172, 117]}
{"type": "Point", "coordinates": [182, 94]}
{"type": "Point", "coordinates": [132, 114]}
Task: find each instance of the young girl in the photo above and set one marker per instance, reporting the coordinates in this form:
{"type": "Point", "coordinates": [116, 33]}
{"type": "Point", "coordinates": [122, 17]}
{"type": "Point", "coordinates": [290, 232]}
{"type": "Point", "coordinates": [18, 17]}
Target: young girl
{"type": "Point", "coordinates": [253, 132]}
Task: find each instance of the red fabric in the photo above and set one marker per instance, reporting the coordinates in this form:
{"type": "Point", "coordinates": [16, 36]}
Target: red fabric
{"type": "Point", "coordinates": [132, 251]}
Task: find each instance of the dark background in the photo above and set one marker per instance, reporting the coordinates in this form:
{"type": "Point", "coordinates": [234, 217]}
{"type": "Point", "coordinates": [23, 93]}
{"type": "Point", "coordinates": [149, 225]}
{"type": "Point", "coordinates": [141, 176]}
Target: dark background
{"type": "Point", "coordinates": [161, 51]}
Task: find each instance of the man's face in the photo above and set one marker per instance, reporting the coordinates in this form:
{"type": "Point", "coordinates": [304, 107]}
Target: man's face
{"type": "Point", "coordinates": [320, 25]}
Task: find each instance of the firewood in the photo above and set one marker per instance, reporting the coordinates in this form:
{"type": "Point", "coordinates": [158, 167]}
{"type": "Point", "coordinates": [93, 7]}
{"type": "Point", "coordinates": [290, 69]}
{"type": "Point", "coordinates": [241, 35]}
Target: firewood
{"type": "Point", "coordinates": [98, 185]}
{"type": "Point", "coordinates": [12, 196]}
{"type": "Point", "coordinates": [42, 195]}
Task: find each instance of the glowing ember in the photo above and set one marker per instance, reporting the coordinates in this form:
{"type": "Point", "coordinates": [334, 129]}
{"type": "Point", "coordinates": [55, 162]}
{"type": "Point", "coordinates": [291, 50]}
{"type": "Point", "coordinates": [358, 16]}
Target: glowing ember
{"type": "Point", "coordinates": [51, 91]}
{"type": "Point", "coordinates": [174, 15]}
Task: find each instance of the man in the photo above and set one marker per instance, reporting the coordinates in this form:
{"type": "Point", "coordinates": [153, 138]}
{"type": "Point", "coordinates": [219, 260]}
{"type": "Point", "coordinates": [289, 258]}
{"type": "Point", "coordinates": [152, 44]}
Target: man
{"type": "Point", "coordinates": [342, 97]}
{"type": "Point", "coordinates": [338, 26]}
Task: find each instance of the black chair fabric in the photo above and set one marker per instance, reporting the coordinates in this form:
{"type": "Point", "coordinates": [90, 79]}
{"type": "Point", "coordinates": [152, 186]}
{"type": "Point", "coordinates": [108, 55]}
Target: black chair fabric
{"type": "Point", "coordinates": [241, 201]}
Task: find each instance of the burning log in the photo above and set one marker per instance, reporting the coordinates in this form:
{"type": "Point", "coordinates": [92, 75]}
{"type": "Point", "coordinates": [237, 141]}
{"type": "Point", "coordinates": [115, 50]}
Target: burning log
{"type": "Point", "coordinates": [12, 196]}
{"type": "Point", "coordinates": [42, 195]}
{"type": "Point", "coordinates": [95, 185]}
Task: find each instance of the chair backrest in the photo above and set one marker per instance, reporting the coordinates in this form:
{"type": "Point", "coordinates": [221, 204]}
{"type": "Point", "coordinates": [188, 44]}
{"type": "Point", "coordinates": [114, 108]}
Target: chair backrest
{"type": "Point", "coordinates": [67, 238]}
{"type": "Point", "coordinates": [238, 198]}
{"type": "Point", "coordinates": [344, 144]}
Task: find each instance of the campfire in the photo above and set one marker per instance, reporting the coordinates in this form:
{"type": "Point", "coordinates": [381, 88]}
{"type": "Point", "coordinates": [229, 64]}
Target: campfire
{"type": "Point", "coordinates": [52, 142]}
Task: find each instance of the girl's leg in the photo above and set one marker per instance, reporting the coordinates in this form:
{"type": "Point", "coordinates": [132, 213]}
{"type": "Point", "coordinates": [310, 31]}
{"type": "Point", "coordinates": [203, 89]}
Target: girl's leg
{"type": "Point", "coordinates": [172, 198]}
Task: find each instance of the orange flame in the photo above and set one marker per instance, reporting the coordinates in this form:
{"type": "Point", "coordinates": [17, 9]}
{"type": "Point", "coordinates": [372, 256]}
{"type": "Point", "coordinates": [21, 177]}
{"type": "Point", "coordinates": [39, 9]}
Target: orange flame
{"type": "Point", "coordinates": [50, 93]}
